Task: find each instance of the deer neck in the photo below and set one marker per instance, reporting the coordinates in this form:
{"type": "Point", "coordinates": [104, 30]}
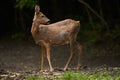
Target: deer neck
{"type": "Point", "coordinates": [34, 29]}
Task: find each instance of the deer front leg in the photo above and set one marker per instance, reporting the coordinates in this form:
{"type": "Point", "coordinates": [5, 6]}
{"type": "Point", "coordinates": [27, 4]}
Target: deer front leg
{"type": "Point", "coordinates": [43, 57]}
{"type": "Point", "coordinates": [48, 57]}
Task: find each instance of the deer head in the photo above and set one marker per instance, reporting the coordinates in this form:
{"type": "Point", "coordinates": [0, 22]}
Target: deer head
{"type": "Point", "coordinates": [40, 17]}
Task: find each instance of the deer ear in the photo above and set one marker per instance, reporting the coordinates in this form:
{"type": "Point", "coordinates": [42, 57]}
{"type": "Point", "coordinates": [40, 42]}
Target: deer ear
{"type": "Point", "coordinates": [37, 9]}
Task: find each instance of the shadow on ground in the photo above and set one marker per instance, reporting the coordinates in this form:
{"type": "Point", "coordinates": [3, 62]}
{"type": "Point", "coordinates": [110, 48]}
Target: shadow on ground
{"type": "Point", "coordinates": [25, 56]}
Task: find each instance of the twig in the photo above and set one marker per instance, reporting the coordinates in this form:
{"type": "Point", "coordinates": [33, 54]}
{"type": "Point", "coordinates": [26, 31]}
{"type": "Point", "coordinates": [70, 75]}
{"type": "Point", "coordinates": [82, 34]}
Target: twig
{"type": "Point", "coordinates": [92, 10]}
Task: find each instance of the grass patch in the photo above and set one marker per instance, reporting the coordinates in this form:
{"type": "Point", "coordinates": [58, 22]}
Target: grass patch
{"type": "Point", "coordinates": [34, 77]}
{"type": "Point", "coordinates": [89, 76]}
{"type": "Point", "coordinates": [80, 76]}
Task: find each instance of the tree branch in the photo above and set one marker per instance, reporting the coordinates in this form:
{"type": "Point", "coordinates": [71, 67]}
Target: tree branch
{"type": "Point", "coordinates": [93, 11]}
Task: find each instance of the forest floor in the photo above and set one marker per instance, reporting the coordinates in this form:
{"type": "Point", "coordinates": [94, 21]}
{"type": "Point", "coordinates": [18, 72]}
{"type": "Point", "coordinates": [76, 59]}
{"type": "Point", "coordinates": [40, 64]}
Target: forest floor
{"type": "Point", "coordinates": [19, 58]}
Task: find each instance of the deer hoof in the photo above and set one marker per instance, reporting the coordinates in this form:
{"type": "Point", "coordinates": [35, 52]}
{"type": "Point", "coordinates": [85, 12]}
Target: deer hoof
{"type": "Point", "coordinates": [51, 70]}
{"type": "Point", "coordinates": [41, 71]}
{"type": "Point", "coordinates": [78, 67]}
{"type": "Point", "coordinates": [64, 69]}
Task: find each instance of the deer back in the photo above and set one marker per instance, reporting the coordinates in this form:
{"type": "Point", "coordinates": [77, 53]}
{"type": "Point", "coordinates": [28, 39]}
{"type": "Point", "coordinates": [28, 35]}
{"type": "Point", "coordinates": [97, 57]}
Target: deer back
{"type": "Point", "coordinates": [58, 33]}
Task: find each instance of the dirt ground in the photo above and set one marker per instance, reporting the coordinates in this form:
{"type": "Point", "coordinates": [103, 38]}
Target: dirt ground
{"type": "Point", "coordinates": [25, 56]}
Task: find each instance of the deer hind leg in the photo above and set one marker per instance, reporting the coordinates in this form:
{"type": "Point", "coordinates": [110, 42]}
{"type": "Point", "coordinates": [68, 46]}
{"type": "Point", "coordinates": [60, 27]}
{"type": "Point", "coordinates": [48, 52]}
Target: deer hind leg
{"type": "Point", "coordinates": [71, 54]}
{"type": "Point", "coordinates": [79, 49]}
{"type": "Point", "coordinates": [48, 57]}
{"type": "Point", "coordinates": [43, 57]}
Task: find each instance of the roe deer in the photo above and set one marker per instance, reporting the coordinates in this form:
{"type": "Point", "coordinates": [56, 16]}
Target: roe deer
{"type": "Point", "coordinates": [59, 33]}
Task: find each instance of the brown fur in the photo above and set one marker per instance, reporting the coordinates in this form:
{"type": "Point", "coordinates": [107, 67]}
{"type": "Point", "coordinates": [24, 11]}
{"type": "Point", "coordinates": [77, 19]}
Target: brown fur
{"type": "Point", "coordinates": [59, 33]}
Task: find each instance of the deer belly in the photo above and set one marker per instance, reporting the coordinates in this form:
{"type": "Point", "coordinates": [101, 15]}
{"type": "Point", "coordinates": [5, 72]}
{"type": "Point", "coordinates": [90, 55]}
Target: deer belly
{"type": "Point", "coordinates": [59, 39]}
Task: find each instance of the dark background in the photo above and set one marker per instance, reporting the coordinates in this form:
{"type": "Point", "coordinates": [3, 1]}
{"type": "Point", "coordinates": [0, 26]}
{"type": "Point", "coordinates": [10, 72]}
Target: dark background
{"type": "Point", "coordinates": [15, 20]}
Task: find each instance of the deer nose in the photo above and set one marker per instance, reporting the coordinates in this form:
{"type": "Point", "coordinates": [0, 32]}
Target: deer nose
{"type": "Point", "coordinates": [48, 22]}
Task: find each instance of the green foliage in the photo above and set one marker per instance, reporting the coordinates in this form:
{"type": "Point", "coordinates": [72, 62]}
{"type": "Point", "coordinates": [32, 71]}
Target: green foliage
{"type": "Point", "coordinates": [18, 36]}
{"type": "Point", "coordinates": [71, 76]}
{"type": "Point", "coordinates": [89, 76]}
{"type": "Point", "coordinates": [90, 34]}
{"type": "Point", "coordinates": [115, 33]}
{"type": "Point", "coordinates": [85, 76]}
{"type": "Point", "coordinates": [104, 75]}
{"type": "Point", "coordinates": [35, 77]}
{"type": "Point", "coordinates": [25, 3]}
